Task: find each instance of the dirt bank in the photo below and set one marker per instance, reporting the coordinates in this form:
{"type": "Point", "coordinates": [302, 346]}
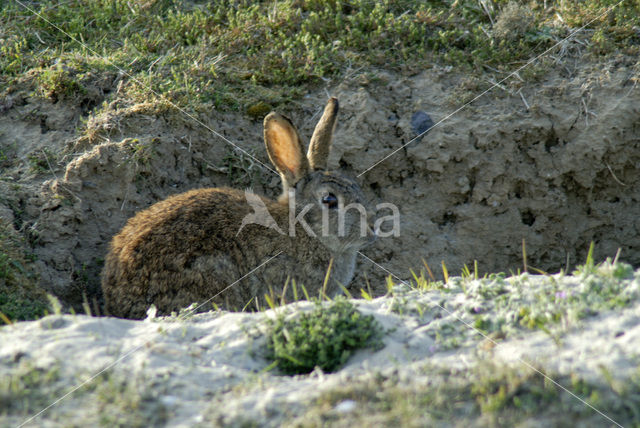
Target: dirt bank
{"type": "Point", "coordinates": [551, 159]}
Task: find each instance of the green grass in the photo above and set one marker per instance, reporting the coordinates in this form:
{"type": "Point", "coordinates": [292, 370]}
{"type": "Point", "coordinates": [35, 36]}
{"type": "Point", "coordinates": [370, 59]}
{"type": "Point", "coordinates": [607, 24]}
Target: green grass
{"type": "Point", "coordinates": [252, 56]}
{"type": "Point", "coordinates": [20, 298]}
{"type": "Point", "coordinates": [57, 83]}
{"type": "Point", "coordinates": [325, 337]}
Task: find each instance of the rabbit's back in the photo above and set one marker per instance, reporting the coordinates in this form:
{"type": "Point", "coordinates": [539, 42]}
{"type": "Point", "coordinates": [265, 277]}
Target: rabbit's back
{"type": "Point", "coordinates": [182, 250]}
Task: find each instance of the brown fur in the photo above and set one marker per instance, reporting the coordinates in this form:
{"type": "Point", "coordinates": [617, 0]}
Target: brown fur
{"type": "Point", "coordinates": [187, 248]}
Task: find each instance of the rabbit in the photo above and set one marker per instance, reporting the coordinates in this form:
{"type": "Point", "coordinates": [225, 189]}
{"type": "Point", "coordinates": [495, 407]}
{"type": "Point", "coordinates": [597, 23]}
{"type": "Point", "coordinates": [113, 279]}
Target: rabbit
{"type": "Point", "coordinates": [214, 245]}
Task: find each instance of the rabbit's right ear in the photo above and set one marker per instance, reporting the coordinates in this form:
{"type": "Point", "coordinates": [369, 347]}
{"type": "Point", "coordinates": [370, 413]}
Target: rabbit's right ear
{"type": "Point", "coordinates": [320, 143]}
{"type": "Point", "coordinates": [285, 149]}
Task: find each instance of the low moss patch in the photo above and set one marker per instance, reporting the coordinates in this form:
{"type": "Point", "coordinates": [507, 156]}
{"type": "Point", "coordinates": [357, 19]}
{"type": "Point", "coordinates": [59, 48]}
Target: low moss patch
{"type": "Point", "coordinates": [325, 337]}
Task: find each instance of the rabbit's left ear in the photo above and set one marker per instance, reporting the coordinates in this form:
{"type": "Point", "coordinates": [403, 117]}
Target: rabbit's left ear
{"type": "Point", "coordinates": [285, 149]}
{"type": "Point", "coordinates": [320, 144]}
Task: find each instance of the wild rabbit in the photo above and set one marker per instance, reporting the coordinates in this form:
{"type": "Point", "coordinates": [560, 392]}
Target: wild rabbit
{"type": "Point", "coordinates": [219, 244]}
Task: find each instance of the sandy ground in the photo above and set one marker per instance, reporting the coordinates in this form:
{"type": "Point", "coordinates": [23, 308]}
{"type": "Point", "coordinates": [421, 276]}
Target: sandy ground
{"type": "Point", "coordinates": [208, 369]}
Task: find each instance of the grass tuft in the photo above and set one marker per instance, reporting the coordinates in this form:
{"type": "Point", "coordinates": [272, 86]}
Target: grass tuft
{"type": "Point", "coordinates": [20, 297]}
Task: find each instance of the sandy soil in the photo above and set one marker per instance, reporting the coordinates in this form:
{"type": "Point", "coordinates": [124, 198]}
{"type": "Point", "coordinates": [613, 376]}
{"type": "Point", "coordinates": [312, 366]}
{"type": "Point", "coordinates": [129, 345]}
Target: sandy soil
{"type": "Point", "coordinates": [208, 369]}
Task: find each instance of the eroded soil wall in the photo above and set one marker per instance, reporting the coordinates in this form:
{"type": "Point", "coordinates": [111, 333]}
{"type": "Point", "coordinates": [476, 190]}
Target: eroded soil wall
{"type": "Point", "coordinates": [554, 163]}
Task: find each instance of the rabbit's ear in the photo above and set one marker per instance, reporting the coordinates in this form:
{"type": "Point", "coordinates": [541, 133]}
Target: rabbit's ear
{"type": "Point", "coordinates": [320, 144]}
{"type": "Point", "coordinates": [285, 149]}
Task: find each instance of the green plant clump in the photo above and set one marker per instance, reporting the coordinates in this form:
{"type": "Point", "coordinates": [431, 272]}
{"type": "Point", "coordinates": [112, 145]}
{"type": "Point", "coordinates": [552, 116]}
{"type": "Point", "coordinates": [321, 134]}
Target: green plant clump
{"type": "Point", "coordinates": [325, 337]}
{"type": "Point", "coordinates": [20, 298]}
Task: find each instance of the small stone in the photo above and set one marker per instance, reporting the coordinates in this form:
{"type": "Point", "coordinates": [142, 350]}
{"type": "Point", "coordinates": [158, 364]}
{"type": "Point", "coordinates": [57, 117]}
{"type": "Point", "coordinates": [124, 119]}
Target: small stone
{"type": "Point", "coordinates": [13, 358]}
{"type": "Point", "coordinates": [6, 214]}
{"type": "Point", "coordinates": [151, 313]}
{"type": "Point", "coordinates": [346, 406]}
{"type": "Point", "coordinates": [169, 400]}
{"type": "Point", "coordinates": [421, 122]}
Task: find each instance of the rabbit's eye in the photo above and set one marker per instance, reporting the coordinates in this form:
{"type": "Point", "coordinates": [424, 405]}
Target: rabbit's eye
{"type": "Point", "coordinates": [330, 201]}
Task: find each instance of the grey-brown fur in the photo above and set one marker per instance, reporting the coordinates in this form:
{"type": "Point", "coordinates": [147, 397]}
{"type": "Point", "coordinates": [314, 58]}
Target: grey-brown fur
{"type": "Point", "coordinates": [187, 249]}
{"type": "Point", "coordinates": [320, 143]}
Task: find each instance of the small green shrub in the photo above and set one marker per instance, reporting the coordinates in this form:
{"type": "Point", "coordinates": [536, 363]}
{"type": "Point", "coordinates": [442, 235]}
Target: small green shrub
{"type": "Point", "coordinates": [325, 337]}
